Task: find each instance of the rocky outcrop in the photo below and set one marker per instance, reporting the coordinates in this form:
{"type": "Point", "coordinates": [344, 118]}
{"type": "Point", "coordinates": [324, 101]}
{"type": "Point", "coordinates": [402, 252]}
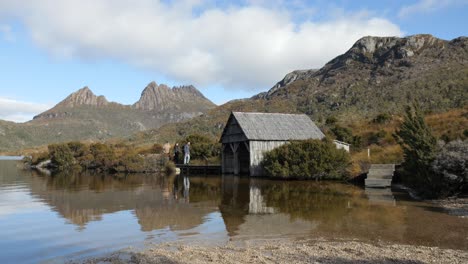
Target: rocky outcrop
{"type": "Point", "coordinates": [382, 74]}
{"type": "Point", "coordinates": [83, 96]}
{"type": "Point", "coordinates": [160, 98]}
{"type": "Point", "coordinates": [289, 78]}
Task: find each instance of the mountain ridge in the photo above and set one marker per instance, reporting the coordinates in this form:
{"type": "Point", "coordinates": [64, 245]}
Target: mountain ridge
{"type": "Point", "coordinates": [85, 116]}
{"type": "Point", "coordinates": [377, 75]}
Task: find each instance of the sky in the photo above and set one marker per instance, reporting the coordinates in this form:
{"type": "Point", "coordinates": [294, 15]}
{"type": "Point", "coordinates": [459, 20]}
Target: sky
{"type": "Point", "coordinates": [227, 49]}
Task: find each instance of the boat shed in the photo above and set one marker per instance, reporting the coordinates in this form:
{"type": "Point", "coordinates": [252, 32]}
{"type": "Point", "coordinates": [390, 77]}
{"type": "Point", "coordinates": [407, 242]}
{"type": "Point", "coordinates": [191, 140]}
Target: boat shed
{"type": "Point", "coordinates": [247, 136]}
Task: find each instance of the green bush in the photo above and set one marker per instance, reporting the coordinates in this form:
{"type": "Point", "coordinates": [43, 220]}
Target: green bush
{"type": "Point", "coordinates": [104, 156]}
{"type": "Point", "coordinates": [376, 137]}
{"type": "Point", "coordinates": [331, 120]}
{"type": "Point", "coordinates": [202, 147]}
{"type": "Point", "coordinates": [61, 155]}
{"type": "Point", "coordinates": [77, 148]}
{"type": "Point", "coordinates": [342, 134]}
{"type": "Point", "coordinates": [382, 118]}
{"type": "Point", "coordinates": [97, 156]}
{"type": "Point", "coordinates": [130, 161]}
{"type": "Point", "coordinates": [307, 159]}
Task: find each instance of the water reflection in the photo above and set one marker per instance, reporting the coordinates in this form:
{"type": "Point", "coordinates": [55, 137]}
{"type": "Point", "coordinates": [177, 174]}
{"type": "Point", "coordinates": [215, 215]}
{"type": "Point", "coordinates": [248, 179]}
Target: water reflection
{"type": "Point", "coordinates": [115, 211]}
{"type": "Point", "coordinates": [380, 195]}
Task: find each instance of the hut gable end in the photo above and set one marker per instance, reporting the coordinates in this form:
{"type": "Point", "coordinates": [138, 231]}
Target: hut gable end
{"type": "Point", "coordinates": [232, 132]}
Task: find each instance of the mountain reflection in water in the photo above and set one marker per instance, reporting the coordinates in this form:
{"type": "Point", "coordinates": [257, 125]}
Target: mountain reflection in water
{"type": "Point", "coordinates": [127, 210]}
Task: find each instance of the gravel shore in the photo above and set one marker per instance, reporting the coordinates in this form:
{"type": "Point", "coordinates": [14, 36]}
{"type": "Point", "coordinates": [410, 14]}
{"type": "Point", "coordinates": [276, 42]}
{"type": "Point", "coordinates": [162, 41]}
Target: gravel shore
{"type": "Point", "coordinates": [454, 206]}
{"type": "Point", "coordinates": [289, 251]}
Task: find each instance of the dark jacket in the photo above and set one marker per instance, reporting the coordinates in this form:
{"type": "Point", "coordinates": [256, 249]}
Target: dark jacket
{"type": "Point", "coordinates": [176, 149]}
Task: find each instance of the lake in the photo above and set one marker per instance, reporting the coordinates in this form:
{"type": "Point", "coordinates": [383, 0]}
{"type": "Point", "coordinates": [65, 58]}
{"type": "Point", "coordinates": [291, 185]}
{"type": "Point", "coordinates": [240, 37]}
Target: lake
{"type": "Point", "coordinates": [73, 216]}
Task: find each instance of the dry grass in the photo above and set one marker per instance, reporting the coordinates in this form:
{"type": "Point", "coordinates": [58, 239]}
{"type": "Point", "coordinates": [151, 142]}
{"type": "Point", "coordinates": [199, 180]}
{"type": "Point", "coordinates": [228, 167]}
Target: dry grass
{"type": "Point", "coordinates": [447, 125]}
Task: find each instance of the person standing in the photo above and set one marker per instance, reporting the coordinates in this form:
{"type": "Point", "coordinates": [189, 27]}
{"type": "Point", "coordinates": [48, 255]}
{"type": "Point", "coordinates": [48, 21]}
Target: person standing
{"type": "Point", "coordinates": [167, 150]}
{"type": "Point", "coordinates": [187, 153]}
{"type": "Point", "coordinates": [176, 153]}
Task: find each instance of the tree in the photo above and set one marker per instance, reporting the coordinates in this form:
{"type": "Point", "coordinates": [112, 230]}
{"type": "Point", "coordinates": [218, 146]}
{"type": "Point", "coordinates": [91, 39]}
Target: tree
{"type": "Point", "coordinates": [419, 149]}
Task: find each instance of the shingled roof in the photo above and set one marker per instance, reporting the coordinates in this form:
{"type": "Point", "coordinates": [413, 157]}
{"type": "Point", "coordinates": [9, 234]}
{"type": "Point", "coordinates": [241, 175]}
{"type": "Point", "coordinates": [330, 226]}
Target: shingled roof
{"type": "Point", "coordinates": [274, 126]}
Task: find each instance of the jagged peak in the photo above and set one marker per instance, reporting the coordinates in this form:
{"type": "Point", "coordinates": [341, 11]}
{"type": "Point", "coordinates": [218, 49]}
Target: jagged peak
{"type": "Point", "coordinates": [83, 96]}
{"type": "Point", "coordinates": [160, 97]}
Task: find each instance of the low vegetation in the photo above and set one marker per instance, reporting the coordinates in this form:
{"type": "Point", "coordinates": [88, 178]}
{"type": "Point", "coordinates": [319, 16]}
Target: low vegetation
{"type": "Point", "coordinates": [309, 159]}
{"type": "Point", "coordinates": [203, 149]}
{"type": "Point", "coordinates": [434, 171]}
{"type": "Point", "coordinates": [100, 157]}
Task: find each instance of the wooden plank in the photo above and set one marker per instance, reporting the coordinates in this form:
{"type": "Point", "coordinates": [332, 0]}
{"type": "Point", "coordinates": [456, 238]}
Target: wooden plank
{"type": "Point", "coordinates": [378, 183]}
{"type": "Point", "coordinates": [383, 166]}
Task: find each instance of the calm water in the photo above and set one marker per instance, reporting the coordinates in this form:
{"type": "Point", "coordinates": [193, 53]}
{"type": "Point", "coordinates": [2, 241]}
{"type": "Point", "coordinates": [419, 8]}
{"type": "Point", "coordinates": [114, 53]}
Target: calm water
{"type": "Point", "coordinates": [73, 216]}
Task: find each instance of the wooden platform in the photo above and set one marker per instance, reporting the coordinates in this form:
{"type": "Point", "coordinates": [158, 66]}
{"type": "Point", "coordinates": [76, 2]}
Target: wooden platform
{"type": "Point", "coordinates": [199, 169]}
{"type": "Point", "coordinates": [380, 175]}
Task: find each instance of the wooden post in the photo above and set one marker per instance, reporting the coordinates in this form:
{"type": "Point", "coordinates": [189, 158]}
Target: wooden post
{"type": "Point", "coordinates": [223, 170]}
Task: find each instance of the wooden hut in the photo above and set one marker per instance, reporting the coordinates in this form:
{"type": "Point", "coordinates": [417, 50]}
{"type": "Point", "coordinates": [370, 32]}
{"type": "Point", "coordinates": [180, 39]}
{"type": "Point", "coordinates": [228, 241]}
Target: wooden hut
{"type": "Point", "coordinates": [247, 136]}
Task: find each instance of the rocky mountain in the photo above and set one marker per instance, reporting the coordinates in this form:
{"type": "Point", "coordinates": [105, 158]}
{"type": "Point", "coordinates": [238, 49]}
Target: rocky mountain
{"type": "Point", "coordinates": [382, 74]}
{"type": "Point", "coordinates": [376, 75]}
{"type": "Point", "coordinates": [85, 116]}
{"type": "Point", "coordinates": [160, 98]}
{"type": "Point", "coordinates": [84, 96]}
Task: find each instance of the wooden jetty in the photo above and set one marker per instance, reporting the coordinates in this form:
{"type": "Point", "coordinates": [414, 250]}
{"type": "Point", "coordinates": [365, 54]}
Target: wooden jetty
{"type": "Point", "coordinates": [380, 175]}
{"type": "Point", "coordinates": [199, 169]}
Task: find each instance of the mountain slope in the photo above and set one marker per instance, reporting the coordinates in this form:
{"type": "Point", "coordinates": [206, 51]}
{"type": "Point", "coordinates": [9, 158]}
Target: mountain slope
{"type": "Point", "coordinates": [377, 75]}
{"type": "Point", "coordinates": [85, 116]}
{"type": "Point", "coordinates": [382, 74]}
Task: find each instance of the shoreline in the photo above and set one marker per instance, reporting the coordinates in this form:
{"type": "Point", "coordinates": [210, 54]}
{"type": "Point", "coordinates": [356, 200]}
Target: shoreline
{"type": "Point", "coordinates": [287, 251]}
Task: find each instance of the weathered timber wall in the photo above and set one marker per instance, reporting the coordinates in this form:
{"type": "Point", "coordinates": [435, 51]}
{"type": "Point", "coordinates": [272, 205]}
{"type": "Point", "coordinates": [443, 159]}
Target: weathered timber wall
{"type": "Point", "coordinates": [257, 152]}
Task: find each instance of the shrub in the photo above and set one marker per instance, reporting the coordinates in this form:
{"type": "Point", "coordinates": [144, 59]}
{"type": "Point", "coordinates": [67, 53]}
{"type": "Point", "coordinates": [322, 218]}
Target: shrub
{"type": "Point", "coordinates": [451, 165]}
{"type": "Point", "coordinates": [131, 162]}
{"type": "Point", "coordinates": [382, 118]}
{"type": "Point", "coordinates": [104, 156]}
{"type": "Point", "coordinates": [61, 156]}
{"type": "Point", "coordinates": [343, 134]}
{"type": "Point", "coordinates": [77, 148]}
{"type": "Point", "coordinates": [376, 137]}
{"type": "Point", "coordinates": [307, 159]}
{"type": "Point", "coordinates": [202, 147]}
{"type": "Point", "coordinates": [331, 120]}
{"type": "Point", "coordinates": [39, 157]}
{"type": "Point", "coordinates": [157, 148]}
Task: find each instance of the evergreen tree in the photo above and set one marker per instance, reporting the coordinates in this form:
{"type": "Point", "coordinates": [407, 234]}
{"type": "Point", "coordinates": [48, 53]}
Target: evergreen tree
{"type": "Point", "coordinates": [420, 149]}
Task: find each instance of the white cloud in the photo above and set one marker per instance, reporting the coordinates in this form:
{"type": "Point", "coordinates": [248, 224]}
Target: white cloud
{"type": "Point", "coordinates": [428, 6]}
{"type": "Point", "coordinates": [194, 41]}
{"type": "Point", "coordinates": [6, 33]}
{"type": "Point", "coordinates": [18, 111]}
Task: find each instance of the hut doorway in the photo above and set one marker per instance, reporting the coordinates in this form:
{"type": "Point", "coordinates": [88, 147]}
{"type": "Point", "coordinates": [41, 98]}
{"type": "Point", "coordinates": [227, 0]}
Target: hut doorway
{"type": "Point", "coordinates": [244, 158]}
{"type": "Point", "coordinates": [236, 158]}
